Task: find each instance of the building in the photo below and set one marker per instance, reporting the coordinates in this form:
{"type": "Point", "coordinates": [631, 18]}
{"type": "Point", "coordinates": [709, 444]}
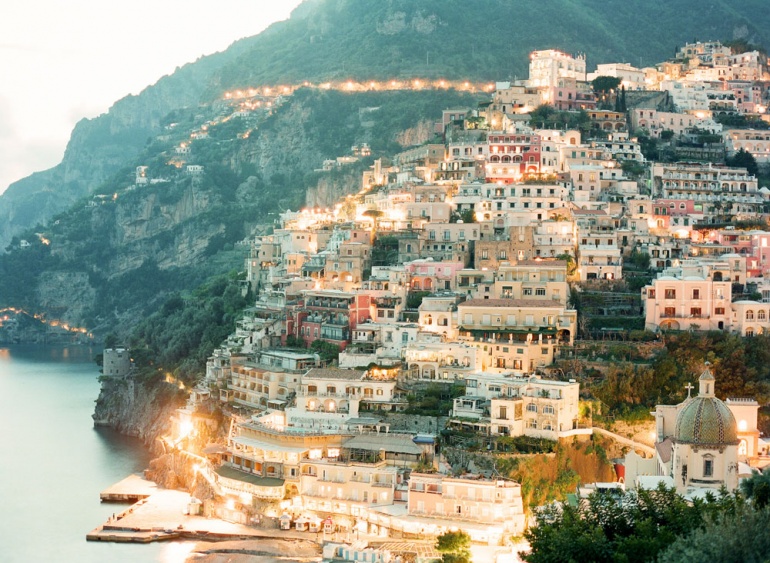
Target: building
{"type": "Point", "coordinates": [697, 441]}
{"type": "Point", "coordinates": [469, 500]}
{"type": "Point", "coordinates": [501, 405]}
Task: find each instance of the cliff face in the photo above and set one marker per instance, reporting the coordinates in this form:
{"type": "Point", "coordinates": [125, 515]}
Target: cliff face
{"type": "Point", "coordinates": [99, 147]}
{"type": "Point", "coordinates": [138, 410]}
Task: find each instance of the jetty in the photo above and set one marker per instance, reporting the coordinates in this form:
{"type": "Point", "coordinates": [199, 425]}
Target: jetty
{"type": "Point", "coordinates": [163, 514]}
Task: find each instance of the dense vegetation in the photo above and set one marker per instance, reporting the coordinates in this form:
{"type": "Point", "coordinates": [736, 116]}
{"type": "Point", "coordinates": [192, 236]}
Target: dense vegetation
{"type": "Point", "coordinates": [127, 240]}
{"type": "Point", "coordinates": [328, 39]}
{"type": "Point", "coordinates": [650, 525]}
{"type": "Point", "coordinates": [180, 335]}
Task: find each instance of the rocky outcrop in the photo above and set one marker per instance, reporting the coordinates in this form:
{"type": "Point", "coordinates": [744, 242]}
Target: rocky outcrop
{"type": "Point", "coordinates": [137, 409]}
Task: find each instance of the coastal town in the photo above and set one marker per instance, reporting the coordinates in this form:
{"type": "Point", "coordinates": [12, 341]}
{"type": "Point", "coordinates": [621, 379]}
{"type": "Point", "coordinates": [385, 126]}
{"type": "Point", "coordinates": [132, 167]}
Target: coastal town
{"type": "Point", "coordinates": [400, 344]}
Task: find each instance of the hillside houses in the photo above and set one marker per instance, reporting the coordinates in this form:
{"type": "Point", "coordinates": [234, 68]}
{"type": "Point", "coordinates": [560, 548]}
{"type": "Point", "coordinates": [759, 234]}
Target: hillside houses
{"type": "Point", "coordinates": [460, 271]}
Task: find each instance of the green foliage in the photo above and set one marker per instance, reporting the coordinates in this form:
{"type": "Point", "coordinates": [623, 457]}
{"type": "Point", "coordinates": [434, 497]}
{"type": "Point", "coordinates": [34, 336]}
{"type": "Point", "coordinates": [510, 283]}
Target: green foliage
{"type": "Point", "coordinates": [741, 121]}
{"type": "Point", "coordinates": [455, 547]}
{"type": "Point", "coordinates": [757, 489]}
{"type": "Point", "coordinates": [632, 168]}
{"type": "Point", "coordinates": [329, 352]}
{"type": "Point", "coordinates": [184, 332]}
{"type": "Point", "coordinates": [436, 400]}
{"type": "Point", "coordinates": [736, 536]}
{"type": "Point", "coordinates": [640, 260]}
{"type": "Point", "coordinates": [605, 84]}
{"type": "Point", "coordinates": [548, 117]}
{"type": "Point", "coordinates": [385, 251]}
{"type": "Point", "coordinates": [636, 527]}
{"type": "Point", "coordinates": [741, 366]}
{"type": "Point", "coordinates": [342, 39]}
{"type": "Point", "coordinates": [414, 298]}
{"type": "Point", "coordinates": [743, 159]}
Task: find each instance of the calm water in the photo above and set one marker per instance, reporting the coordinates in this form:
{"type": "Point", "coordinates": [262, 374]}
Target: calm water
{"type": "Point", "coordinates": [54, 463]}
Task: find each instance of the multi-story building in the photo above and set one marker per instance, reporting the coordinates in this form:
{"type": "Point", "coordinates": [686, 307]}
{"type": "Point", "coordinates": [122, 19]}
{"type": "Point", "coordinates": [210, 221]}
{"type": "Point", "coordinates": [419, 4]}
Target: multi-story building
{"type": "Point", "coordinates": [331, 397]}
{"type": "Point", "coordinates": [495, 503]}
{"type": "Point", "coordinates": [512, 156]}
{"type": "Point", "coordinates": [441, 360]}
{"type": "Point", "coordinates": [328, 315]}
{"type": "Point", "coordinates": [269, 378]}
{"type": "Point", "coordinates": [532, 279]}
{"type": "Point", "coordinates": [695, 295]}
{"type": "Point", "coordinates": [516, 334]}
{"type": "Point", "coordinates": [502, 405]}
{"type": "Point", "coordinates": [754, 141]}
{"type": "Point", "coordinates": [600, 256]}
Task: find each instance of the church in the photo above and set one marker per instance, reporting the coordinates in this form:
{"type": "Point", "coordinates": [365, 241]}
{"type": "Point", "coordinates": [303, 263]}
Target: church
{"type": "Point", "coordinates": [701, 444]}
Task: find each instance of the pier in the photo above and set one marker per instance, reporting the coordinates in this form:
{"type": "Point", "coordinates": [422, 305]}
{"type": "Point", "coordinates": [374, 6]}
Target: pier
{"type": "Point", "coordinates": [161, 514]}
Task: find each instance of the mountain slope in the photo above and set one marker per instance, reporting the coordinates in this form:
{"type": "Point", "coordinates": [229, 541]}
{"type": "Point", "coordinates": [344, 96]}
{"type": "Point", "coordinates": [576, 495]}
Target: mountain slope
{"type": "Point", "coordinates": [327, 39]}
{"type": "Point", "coordinates": [480, 40]}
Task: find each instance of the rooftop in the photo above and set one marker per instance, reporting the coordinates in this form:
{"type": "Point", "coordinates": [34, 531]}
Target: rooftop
{"type": "Point", "coordinates": [533, 303]}
{"type": "Point", "coordinates": [334, 373]}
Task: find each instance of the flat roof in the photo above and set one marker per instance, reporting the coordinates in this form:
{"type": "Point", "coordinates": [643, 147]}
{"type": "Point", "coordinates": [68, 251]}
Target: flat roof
{"type": "Point", "coordinates": [334, 373]}
{"type": "Point", "coordinates": [270, 446]}
{"type": "Point", "coordinates": [230, 473]}
{"type": "Point", "coordinates": [536, 303]}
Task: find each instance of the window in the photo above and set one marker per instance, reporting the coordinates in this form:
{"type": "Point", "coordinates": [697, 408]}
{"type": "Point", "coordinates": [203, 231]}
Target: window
{"type": "Point", "coordinates": [761, 315]}
{"type": "Point", "coordinates": [527, 291]}
{"type": "Point", "coordinates": [503, 413]}
{"type": "Point", "coordinates": [548, 409]}
{"type": "Point", "coordinates": [708, 467]}
{"type": "Point", "coordinates": [695, 312]}
{"type": "Point", "coordinates": [669, 312]}
{"type": "Point", "coordinates": [531, 407]}
{"type": "Point", "coordinates": [540, 291]}
{"type": "Point", "coordinates": [696, 293]}
{"type": "Point", "coordinates": [651, 294]}
{"type": "Point", "coordinates": [670, 294]}
{"type": "Point", "coordinates": [749, 315]}
{"type": "Point", "coordinates": [719, 310]}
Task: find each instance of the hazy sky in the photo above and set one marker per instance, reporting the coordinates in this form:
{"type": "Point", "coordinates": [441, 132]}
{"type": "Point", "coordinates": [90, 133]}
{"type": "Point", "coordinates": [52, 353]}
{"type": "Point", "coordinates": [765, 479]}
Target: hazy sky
{"type": "Point", "coordinates": [62, 60]}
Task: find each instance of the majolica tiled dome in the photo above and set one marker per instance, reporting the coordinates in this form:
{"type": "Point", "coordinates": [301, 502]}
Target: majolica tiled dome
{"type": "Point", "coordinates": [705, 420]}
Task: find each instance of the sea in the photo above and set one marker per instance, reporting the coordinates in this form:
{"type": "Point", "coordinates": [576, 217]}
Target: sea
{"type": "Point", "coordinates": [54, 463]}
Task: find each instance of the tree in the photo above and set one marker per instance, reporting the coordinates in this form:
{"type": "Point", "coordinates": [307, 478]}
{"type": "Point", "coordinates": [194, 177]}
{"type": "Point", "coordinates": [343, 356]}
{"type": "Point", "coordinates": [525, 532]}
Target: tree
{"type": "Point", "coordinates": [604, 84]}
{"type": "Point", "coordinates": [732, 537]}
{"type": "Point", "coordinates": [757, 489]}
{"type": "Point", "coordinates": [744, 159]}
{"type": "Point", "coordinates": [454, 547]}
{"type": "Point", "coordinates": [636, 526]}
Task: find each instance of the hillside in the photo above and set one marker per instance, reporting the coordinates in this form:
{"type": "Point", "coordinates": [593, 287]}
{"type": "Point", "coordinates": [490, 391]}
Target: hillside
{"type": "Point", "coordinates": [327, 39]}
{"type": "Point", "coordinates": [482, 40]}
{"type": "Point", "coordinates": [115, 256]}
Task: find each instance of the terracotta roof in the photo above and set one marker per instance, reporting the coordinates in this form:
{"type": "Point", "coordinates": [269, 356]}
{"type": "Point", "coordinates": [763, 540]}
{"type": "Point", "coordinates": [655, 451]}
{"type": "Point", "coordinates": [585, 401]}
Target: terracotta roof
{"type": "Point", "coordinates": [537, 303]}
{"type": "Point", "coordinates": [665, 448]}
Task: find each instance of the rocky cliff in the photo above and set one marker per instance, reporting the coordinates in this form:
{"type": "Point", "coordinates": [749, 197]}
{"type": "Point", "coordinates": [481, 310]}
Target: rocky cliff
{"type": "Point", "coordinates": [137, 409]}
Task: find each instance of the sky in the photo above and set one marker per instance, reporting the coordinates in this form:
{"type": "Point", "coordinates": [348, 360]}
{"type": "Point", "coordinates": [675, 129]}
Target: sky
{"type": "Point", "coordinates": [61, 61]}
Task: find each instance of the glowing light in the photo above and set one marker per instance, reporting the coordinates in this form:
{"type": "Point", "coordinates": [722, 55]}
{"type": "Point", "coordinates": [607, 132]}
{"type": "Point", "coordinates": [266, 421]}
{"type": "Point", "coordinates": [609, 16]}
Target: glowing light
{"type": "Point", "coordinates": [185, 428]}
{"type": "Point", "coordinates": [743, 426]}
{"type": "Point", "coordinates": [230, 504]}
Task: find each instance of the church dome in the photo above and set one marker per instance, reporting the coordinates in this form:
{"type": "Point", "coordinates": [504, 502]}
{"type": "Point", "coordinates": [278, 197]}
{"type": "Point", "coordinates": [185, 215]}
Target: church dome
{"type": "Point", "coordinates": [705, 420]}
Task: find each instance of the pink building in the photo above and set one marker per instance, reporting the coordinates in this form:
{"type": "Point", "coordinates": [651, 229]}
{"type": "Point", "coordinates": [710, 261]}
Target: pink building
{"type": "Point", "coordinates": [427, 275]}
{"type": "Point", "coordinates": [496, 503]}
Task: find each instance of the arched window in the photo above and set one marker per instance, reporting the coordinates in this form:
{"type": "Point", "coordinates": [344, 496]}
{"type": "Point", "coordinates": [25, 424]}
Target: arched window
{"type": "Point", "coordinates": [749, 315]}
{"type": "Point", "coordinates": [548, 409]}
{"type": "Point", "coordinates": [531, 407]}
{"type": "Point", "coordinates": [761, 315]}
